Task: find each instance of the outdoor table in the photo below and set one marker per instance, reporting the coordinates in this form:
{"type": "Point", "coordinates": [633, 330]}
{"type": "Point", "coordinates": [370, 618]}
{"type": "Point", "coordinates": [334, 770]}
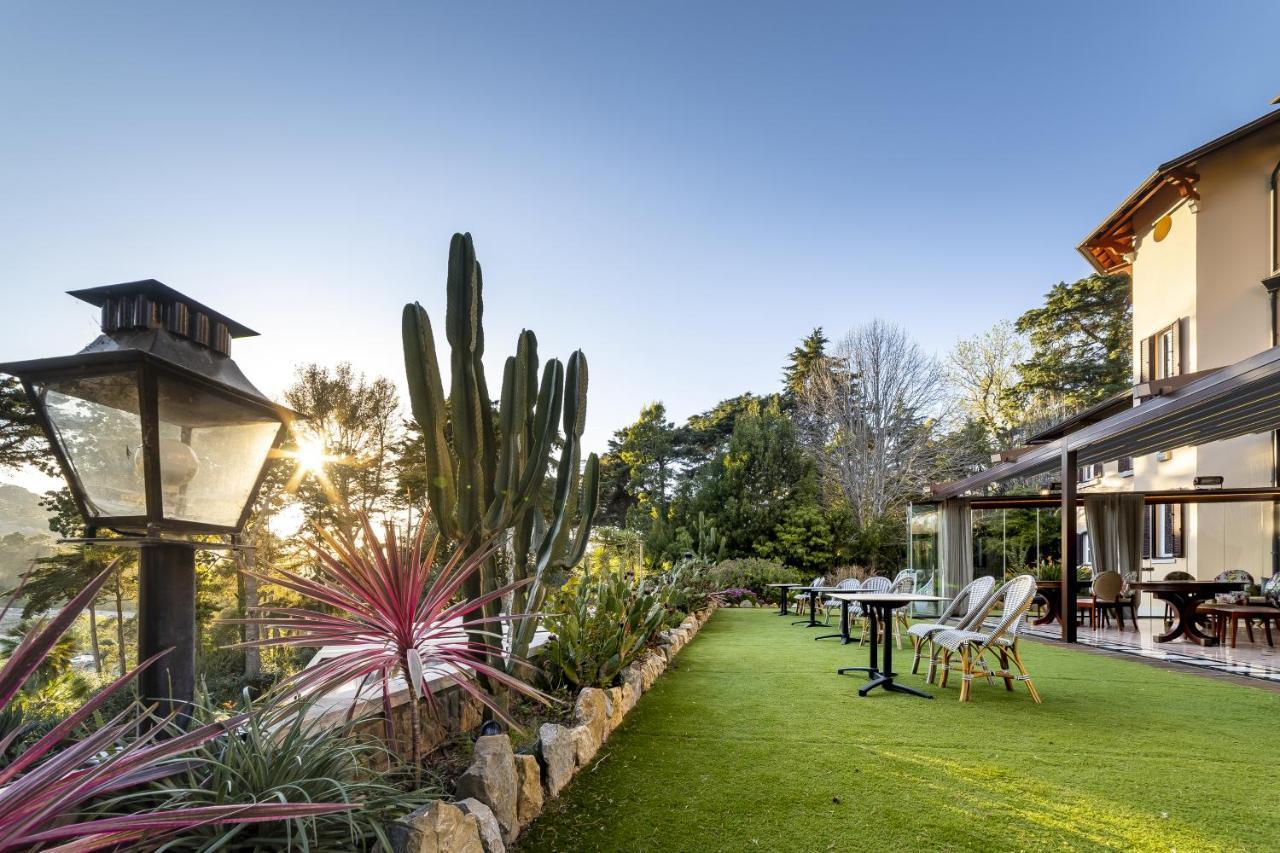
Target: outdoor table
{"type": "Point", "coordinates": [812, 592]}
{"type": "Point", "coordinates": [1051, 592]}
{"type": "Point", "coordinates": [783, 589]}
{"type": "Point", "coordinates": [880, 607]}
{"type": "Point", "coordinates": [1186, 597]}
{"type": "Point", "coordinates": [844, 613]}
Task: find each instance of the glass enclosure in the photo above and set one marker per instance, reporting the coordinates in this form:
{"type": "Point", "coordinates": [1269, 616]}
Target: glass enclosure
{"type": "Point", "coordinates": [211, 451]}
{"type": "Point", "coordinates": [1008, 542]}
{"type": "Point", "coordinates": [98, 426]}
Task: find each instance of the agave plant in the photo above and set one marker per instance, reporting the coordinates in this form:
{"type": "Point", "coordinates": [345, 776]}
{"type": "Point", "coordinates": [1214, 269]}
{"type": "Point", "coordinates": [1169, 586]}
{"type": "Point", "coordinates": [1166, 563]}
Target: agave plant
{"type": "Point", "coordinates": [43, 788]}
{"type": "Point", "coordinates": [302, 759]}
{"type": "Point", "coordinates": [390, 614]}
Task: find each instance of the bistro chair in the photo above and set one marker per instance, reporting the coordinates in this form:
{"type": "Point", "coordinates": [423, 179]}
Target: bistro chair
{"type": "Point", "coordinates": [903, 582]}
{"type": "Point", "coordinates": [1014, 599]}
{"type": "Point", "coordinates": [960, 613]}
{"type": "Point", "coordinates": [875, 583]}
{"type": "Point", "coordinates": [850, 584]}
{"type": "Point", "coordinates": [802, 597]}
{"type": "Point", "coordinates": [1105, 595]}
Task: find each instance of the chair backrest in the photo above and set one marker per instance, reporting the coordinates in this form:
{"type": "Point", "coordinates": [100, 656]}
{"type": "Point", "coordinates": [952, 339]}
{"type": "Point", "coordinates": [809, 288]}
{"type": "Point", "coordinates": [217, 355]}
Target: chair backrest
{"type": "Point", "coordinates": [968, 601]}
{"type": "Point", "coordinates": [1179, 575]}
{"type": "Point", "coordinates": [850, 583]}
{"type": "Point", "coordinates": [1236, 575]}
{"type": "Point", "coordinates": [1107, 586]}
{"type": "Point", "coordinates": [1015, 599]}
{"type": "Point", "coordinates": [905, 581]}
{"type": "Point", "coordinates": [876, 583]}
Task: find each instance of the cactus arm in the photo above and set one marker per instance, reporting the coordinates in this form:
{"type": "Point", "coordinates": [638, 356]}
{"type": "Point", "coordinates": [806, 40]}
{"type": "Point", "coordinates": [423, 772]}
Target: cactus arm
{"type": "Point", "coordinates": [587, 517]}
{"type": "Point", "coordinates": [426, 395]}
{"type": "Point", "coordinates": [550, 400]}
{"type": "Point", "coordinates": [462, 317]}
{"type": "Point", "coordinates": [508, 411]}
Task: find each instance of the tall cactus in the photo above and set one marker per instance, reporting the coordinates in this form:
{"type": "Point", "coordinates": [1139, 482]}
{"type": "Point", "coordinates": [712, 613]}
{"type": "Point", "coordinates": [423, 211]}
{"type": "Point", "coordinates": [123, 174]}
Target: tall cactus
{"type": "Point", "coordinates": [489, 483]}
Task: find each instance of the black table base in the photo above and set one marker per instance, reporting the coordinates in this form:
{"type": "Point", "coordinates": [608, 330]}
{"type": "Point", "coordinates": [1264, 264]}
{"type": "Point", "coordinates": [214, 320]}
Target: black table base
{"type": "Point", "coordinates": [812, 621]}
{"type": "Point", "coordinates": [881, 614]}
{"type": "Point", "coordinates": [845, 639]}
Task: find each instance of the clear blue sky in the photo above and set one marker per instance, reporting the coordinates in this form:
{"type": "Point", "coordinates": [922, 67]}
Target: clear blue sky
{"type": "Point", "coordinates": [680, 189]}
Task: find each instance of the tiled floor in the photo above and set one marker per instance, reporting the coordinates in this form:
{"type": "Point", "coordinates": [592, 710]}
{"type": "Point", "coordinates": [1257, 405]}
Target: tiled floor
{"type": "Point", "coordinates": [1252, 660]}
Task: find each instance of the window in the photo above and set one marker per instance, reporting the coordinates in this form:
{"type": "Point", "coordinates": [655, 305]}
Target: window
{"type": "Point", "coordinates": [1125, 466]}
{"type": "Point", "coordinates": [1162, 532]}
{"type": "Point", "coordinates": [1160, 355]}
{"type": "Point", "coordinates": [1088, 473]}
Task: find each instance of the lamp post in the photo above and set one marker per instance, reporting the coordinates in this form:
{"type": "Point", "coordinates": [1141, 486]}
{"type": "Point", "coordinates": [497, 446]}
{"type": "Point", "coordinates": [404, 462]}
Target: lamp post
{"type": "Point", "coordinates": [160, 438]}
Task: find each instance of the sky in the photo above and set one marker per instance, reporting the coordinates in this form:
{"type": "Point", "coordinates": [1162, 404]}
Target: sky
{"type": "Point", "coordinates": [681, 190]}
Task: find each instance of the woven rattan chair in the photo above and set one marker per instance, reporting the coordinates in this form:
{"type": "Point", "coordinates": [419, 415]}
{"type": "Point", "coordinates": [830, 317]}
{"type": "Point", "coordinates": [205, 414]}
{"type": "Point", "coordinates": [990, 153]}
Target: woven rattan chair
{"type": "Point", "coordinates": [960, 614]}
{"type": "Point", "coordinates": [802, 597]}
{"type": "Point", "coordinates": [903, 582]}
{"type": "Point", "coordinates": [972, 646]}
{"type": "Point", "coordinates": [875, 583]}
{"type": "Point", "coordinates": [851, 584]}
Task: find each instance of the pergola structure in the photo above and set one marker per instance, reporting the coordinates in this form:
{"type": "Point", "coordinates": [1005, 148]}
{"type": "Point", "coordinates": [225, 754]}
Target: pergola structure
{"type": "Point", "coordinates": [1240, 399]}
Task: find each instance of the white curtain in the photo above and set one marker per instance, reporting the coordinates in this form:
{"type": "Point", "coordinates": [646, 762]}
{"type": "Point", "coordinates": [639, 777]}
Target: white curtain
{"type": "Point", "coordinates": [955, 534]}
{"type": "Point", "coordinates": [1114, 522]}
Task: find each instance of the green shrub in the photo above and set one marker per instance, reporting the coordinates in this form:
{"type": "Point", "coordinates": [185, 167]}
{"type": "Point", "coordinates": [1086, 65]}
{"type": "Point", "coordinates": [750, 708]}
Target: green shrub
{"type": "Point", "coordinates": [755, 574]}
{"type": "Point", "coordinates": [296, 762]}
{"type": "Point", "coordinates": [597, 627]}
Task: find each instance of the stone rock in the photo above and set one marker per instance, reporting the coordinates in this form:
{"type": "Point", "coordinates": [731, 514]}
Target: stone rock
{"type": "Point", "coordinates": [616, 709]}
{"type": "Point", "coordinates": [559, 756]}
{"type": "Point", "coordinates": [585, 744]}
{"type": "Point", "coordinates": [486, 822]}
{"type": "Point", "coordinates": [633, 677]}
{"type": "Point", "coordinates": [591, 710]}
{"type": "Point", "coordinates": [630, 695]}
{"type": "Point", "coordinates": [491, 779]}
{"type": "Point", "coordinates": [528, 789]}
{"type": "Point", "coordinates": [437, 827]}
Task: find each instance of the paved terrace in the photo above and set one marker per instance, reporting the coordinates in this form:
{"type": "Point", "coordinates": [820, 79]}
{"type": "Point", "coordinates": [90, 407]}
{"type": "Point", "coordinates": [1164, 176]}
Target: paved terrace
{"type": "Point", "coordinates": [751, 742]}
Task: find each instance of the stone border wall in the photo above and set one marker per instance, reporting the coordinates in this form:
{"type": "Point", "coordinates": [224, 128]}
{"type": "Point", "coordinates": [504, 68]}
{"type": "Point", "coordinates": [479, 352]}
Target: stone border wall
{"type": "Point", "coordinates": [501, 793]}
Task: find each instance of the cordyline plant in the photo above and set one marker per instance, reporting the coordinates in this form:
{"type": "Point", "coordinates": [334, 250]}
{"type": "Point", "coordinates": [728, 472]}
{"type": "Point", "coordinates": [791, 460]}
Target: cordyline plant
{"type": "Point", "coordinates": [42, 789]}
{"type": "Point", "coordinates": [391, 614]}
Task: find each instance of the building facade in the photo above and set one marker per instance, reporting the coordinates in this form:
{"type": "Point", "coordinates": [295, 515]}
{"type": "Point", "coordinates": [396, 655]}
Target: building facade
{"type": "Point", "coordinates": [1199, 239]}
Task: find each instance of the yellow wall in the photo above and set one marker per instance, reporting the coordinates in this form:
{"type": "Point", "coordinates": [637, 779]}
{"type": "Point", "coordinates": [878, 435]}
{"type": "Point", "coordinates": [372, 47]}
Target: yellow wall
{"type": "Point", "coordinates": [1209, 269]}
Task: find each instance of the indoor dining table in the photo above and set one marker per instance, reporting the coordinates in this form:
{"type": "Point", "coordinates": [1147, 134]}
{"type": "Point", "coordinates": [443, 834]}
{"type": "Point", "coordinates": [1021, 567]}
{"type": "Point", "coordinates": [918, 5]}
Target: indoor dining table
{"type": "Point", "coordinates": [1185, 597]}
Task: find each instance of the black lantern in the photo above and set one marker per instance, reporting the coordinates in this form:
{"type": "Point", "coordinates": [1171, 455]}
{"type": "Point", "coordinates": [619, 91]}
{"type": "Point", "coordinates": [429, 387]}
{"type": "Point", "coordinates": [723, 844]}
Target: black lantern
{"type": "Point", "coordinates": [158, 434]}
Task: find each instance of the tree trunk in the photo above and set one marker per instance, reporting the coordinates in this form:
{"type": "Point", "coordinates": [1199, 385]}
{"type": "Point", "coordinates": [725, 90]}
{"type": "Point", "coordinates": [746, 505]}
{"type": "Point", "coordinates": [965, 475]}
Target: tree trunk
{"type": "Point", "coordinates": [253, 655]}
{"type": "Point", "coordinates": [120, 647]}
{"type": "Point", "coordinates": [93, 638]}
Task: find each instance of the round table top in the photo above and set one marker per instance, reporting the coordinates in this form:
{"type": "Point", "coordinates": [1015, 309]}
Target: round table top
{"type": "Point", "coordinates": [788, 585]}
{"type": "Point", "coordinates": [1189, 586]}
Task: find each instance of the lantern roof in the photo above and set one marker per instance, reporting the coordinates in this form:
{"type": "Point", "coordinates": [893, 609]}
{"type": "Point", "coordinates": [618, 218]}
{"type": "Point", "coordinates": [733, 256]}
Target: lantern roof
{"type": "Point", "coordinates": [158, 292]}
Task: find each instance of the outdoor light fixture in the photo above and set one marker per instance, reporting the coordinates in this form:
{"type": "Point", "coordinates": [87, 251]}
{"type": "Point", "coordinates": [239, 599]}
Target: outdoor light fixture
{"type": "Point", "coordinates": [159, 436]}
{"type": "Point", "coordinates": [1052, 488]}
{"type": "Point", "coordinates": [1208, 482]}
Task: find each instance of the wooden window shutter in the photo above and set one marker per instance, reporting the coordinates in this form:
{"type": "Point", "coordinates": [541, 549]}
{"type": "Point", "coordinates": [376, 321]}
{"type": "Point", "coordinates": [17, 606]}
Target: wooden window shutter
{"type": "Point", "coordinates": [1173, 529]}
{"type": "Point", "coordinates": [1177, 348]}
{"type": "Point", "coordinates": [1146, 358]}
{"type": "Point", "coordinates": [1148, 514]}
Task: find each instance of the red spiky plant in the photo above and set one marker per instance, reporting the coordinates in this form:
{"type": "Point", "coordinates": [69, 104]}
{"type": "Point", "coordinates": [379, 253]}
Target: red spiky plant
{"type": "Point", "coordinates": [43, 788]}
{"type": "Point", "coordinates": [392, 613]}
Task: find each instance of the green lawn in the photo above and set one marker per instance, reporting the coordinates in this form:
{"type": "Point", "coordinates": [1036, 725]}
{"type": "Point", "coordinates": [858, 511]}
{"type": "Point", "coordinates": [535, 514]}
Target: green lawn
{"type": "Point", "coordinates": [752, 742]}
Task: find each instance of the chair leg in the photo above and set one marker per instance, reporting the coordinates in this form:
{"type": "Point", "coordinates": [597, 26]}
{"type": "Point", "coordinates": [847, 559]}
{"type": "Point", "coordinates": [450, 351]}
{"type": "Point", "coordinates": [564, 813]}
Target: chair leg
{"type": "Point", "coordinates": [1266, 626]}
{"type": "Point", "coordinates": [915, 661]}
{"type": "Point", "coordinates": [946, 668]}
{"type": "Point", "coordinates": [1024, 675]}
{"type": "Point", "coordinates": [966, 674]}
{"type": "Point", "coordinates": [1004, 670]}
{"type": "Point", "coordinates": [1248, 626]}
{"type": "Point", "coordinates": [1133, 613]}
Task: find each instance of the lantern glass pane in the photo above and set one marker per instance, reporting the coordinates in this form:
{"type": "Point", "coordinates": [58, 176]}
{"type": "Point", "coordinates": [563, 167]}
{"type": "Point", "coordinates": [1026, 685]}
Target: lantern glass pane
{"type": "Point", "coordinates": [98, 427]}
{"type": "Point", "coordinates": [212, 449]}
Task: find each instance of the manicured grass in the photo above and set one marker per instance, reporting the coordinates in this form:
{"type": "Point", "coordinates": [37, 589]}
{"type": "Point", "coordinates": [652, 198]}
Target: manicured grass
{"type": "Point", "coordinates": [751, 741]}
